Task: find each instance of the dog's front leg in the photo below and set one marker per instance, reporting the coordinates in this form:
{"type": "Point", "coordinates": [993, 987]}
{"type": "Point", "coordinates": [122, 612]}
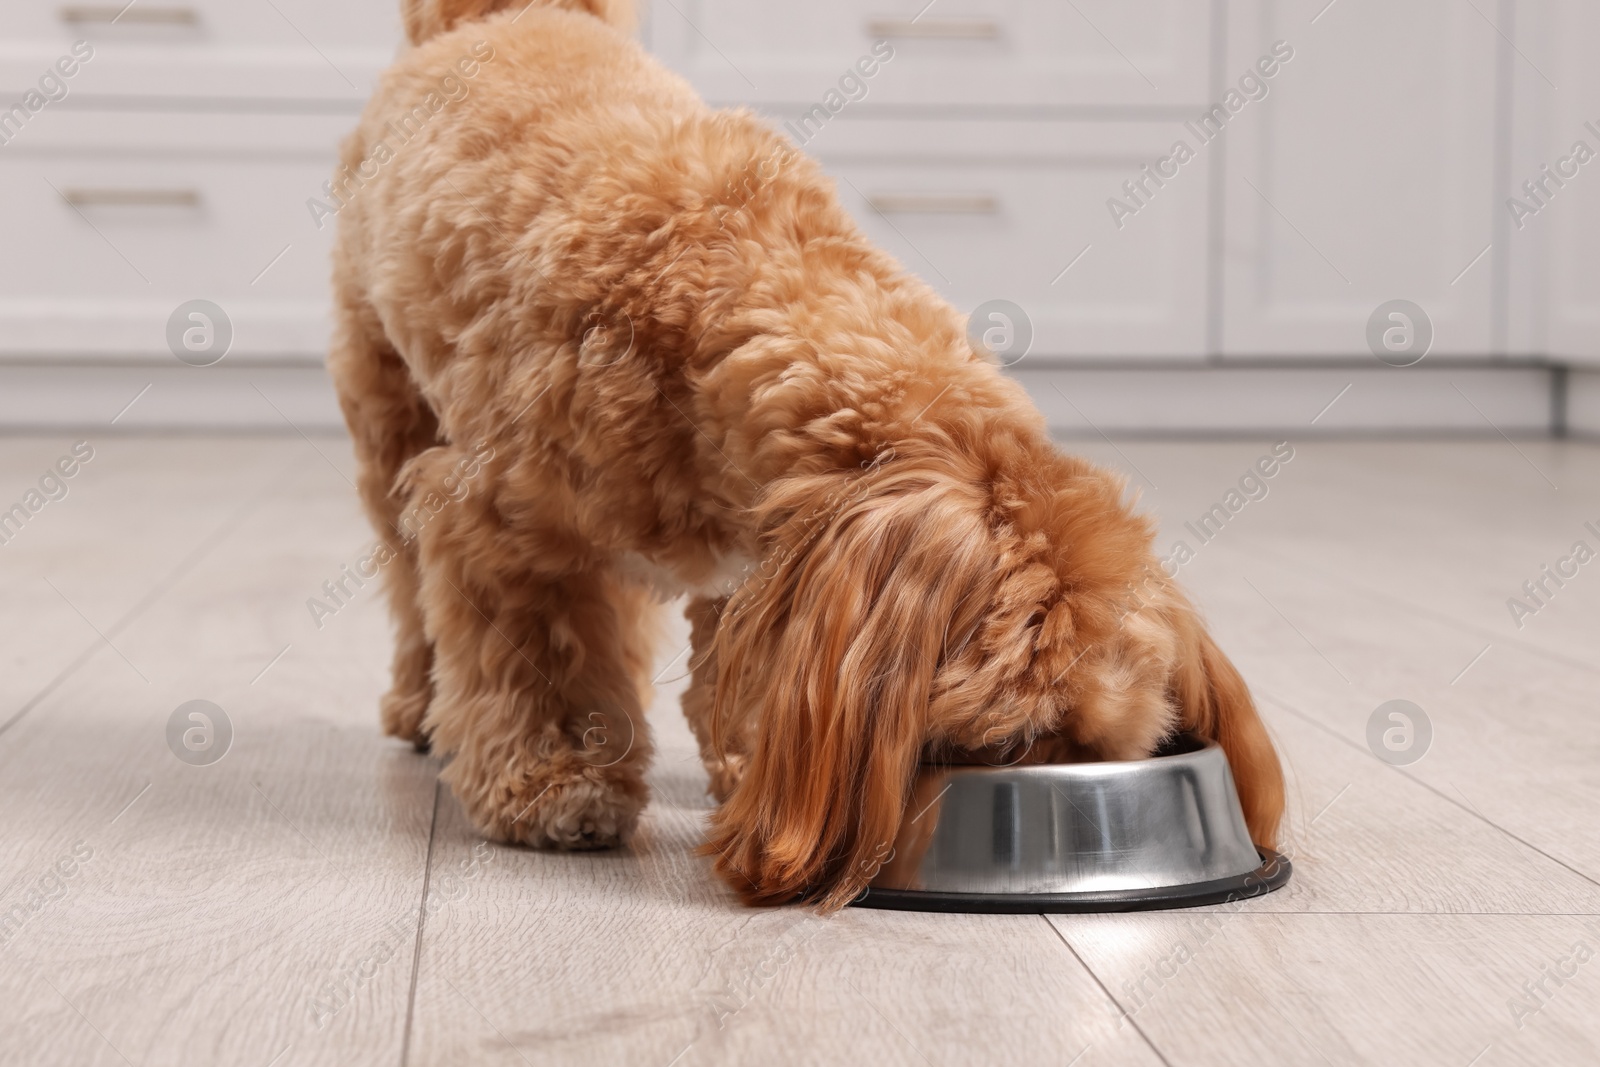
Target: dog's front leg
{"type": "Point", "coordinates": [540, 688]}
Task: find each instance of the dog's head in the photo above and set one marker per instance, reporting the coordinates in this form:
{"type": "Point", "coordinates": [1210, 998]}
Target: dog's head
{"type": "Point", "coordinates": [924, 605]}
{"type": "Point", "coordinates": [425, 18]}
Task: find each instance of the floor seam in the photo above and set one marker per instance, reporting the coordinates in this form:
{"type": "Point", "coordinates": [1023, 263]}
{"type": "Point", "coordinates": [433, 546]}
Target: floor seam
{"type": "Point", "coordinates": [1441, 794]}
{"type": "Point", "coordinates": [1104, 989]}
{"type": "Point", "coordinates": [422, 920]}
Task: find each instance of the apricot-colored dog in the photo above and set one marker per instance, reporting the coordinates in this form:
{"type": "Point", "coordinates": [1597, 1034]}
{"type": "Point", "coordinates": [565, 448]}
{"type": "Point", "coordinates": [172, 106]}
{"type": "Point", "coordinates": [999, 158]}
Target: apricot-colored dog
{"type": "Point", "coordinates": [687, 366]}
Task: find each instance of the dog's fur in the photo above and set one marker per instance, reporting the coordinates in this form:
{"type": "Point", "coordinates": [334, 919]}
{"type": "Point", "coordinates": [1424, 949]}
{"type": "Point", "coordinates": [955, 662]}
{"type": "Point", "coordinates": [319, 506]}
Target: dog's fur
{"type": "Point", "coordinates": [680, 354]}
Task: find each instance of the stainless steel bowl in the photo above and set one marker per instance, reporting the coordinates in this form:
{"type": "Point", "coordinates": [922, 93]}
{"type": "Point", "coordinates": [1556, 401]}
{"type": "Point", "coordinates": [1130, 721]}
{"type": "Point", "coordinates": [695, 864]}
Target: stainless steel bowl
{"type": "Point", "coordinates": [1163, 832]}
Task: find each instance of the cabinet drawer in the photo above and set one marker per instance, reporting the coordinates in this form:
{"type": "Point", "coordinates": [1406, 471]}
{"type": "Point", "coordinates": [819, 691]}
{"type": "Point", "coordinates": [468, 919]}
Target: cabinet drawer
{"type": "Point", "coordinates": [976, 52]}
{"type": "Point", "coordinates": [205, 48]}
{"type": "Point", "coordinates": [295, 24]}
{"type": "Point", "coordinates": [1030, 225]}
{"type": "Point", "coordinates": [125, 225]}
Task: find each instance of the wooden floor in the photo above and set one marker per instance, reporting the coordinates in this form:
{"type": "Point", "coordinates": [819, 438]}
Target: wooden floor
{"type": "Point", "coordinates": [315, 898]}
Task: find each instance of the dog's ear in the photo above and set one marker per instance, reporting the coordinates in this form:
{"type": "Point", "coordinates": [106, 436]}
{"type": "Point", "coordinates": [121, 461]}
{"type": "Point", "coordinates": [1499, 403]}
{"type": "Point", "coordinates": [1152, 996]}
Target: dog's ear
{"type": "Point", "coordinates": [1216, 704]}
{"type": "Point", "coordinates": [833, 646]}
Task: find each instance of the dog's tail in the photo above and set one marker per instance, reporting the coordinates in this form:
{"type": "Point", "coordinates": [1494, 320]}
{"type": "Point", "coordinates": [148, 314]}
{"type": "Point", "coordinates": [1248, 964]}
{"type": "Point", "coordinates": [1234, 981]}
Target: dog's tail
{"type": "Point", "coordinates": [1217, 705]}
{"type": "Point", "coordinates": [424, 18]}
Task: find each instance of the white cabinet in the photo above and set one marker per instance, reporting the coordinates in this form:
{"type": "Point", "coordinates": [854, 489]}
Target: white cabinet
{"type": "Point", "coordinates": [1552, 230]}
{"type": "Point", "coordinates": [174, 164]}
{"type": "Point", "coordinates": [983, 154]}
{"type": "Point", "coordinates": [219, 51]}
{"type": "Point", "coordinates": [1368, 175]}
{"type": "Point", "coordinates": [986, 144]}
{"type": "Point", "coordinates": [959, 54]}
{"type": "Point", "coordinates": [115, 220]}
{"type": "Point", "coordinates": [1016, 210]}
{"type": "Point", "coordinates": [281, 24]}
{"type": "Point", "coordinates": [1376, 167]}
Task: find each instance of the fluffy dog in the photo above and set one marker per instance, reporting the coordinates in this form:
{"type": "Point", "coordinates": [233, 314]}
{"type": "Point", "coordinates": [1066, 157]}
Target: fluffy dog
{"type": "Point", "coordinates": [656, 349]}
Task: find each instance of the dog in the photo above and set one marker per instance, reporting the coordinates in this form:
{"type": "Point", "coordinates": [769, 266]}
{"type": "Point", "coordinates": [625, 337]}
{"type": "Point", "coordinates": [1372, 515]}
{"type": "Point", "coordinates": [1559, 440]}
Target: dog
{"type": "Point", "coordinates": [649, 348]}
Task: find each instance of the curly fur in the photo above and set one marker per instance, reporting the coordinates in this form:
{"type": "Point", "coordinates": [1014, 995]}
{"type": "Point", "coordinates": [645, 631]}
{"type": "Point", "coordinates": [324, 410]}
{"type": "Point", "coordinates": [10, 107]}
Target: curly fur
{"type": "Point", "coordinates": [682, 353]}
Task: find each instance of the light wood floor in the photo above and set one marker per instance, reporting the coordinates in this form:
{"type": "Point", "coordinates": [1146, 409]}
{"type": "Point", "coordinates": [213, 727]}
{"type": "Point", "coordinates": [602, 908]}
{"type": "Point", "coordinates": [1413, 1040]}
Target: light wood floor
{"type": "Point", "coordinates": [315, 898]}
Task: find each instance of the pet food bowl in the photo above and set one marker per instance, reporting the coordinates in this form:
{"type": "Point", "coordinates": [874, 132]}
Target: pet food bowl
{"type": "Point", "coordinates": [1163, 832]}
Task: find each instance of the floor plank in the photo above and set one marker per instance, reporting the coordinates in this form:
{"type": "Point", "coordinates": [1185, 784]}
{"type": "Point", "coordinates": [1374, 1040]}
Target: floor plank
{"type": "Point", "coordinates": [264, 905]}
{"type": "Point", "coordinates": [1511, 745]}
{"type": "Point", "coordinates": [1238, 990]}
{"type": "Point", "coordinates": [1366, 838]}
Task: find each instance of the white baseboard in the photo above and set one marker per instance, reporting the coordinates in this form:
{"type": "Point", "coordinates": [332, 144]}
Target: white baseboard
{"type": "Point", "coordinates": [170, 397]}
{"type": "Point", "coordinates": [1076, 400]}
{"type": "Point", "coordinates": [1293, 400]}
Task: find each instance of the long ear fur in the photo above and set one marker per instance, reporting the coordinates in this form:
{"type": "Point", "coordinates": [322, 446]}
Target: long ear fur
{"type": "Point", "coordinates": [833, 649]}
{"type": "Point", "coordinates": [1217, 705]}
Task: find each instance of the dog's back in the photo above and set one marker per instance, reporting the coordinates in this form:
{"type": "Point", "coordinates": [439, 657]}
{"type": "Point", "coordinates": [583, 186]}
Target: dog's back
{"type": "Point", "coordinates": [528, 146]}
{"type": "Point", "coordinates": [453, 125]}
{"type": "Point", "coordinates": [528, 187]}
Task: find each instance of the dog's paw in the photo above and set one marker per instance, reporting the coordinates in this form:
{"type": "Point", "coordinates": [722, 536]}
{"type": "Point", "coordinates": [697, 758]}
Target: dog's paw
{"type": "Point", "coordinates": [401, 713]}
{"type": "Point", "coordinates": [577, 812]}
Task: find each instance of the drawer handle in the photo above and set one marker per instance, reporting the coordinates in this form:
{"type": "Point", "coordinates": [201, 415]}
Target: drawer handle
{"type": "Point", "coordinates": [934, 203]}
{"type": "Point", "coordinates": [132, 197]}
{"type": "Point", "coordinates": [946, 29]}
{"type": "Point", "coordinates": [162, 16]}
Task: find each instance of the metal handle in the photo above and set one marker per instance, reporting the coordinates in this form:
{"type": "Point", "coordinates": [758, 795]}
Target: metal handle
{"type": "Point", "coordinates": [132, 197]}
{"type": "Point", "coordinates": [162, 16]}
{"type": "Point", "coordinates": [934, 203]}
{"type": "Point", "coordinates": [948, 29]}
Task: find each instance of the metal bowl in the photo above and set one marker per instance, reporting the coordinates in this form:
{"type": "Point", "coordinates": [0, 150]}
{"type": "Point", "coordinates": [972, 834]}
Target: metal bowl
{"type": "Point", "coordinates": [1163, 832]}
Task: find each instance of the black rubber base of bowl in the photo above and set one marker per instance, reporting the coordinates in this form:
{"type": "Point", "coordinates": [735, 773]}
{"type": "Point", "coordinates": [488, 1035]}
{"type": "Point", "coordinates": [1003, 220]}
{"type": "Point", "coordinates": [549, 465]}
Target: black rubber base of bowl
{"type": "Point", "coordinates": [1272, 874]}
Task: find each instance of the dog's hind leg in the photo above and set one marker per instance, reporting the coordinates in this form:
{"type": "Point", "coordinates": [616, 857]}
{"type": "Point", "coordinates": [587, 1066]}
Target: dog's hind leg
{"type": "Point", "coordinates": [723, 756]}
{"type": "Point", "coordinates": [389, 422]}
{"type": "Point", "coordinates": [541, 683]}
